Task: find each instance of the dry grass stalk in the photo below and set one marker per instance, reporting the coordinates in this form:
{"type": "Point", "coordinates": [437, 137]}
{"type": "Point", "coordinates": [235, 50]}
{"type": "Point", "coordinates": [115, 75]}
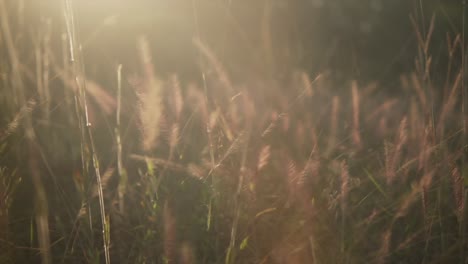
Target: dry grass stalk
{"type": "Point", "coordinates": [402, 133]}
{"type": "Point", "coordinates": [424, 152]}
{"type": "Point", "coordinates": [263, 157]}
{"type": "Point", "coordinates": [344, 183]}
{"type": "Point", "coordinates": [356, 134]}
{"type": "Point", "coordinates": [369, 219]}
{"type": "Point", "coordinates": [150, 110]}
{"type": "Point", "coordinates": [385, 247]}
{"type": "Point", "coordinates": [368, 90]}
{"type": "Point", "coordinates": [333, 125]}
{"type": "Point", "coordinates": [419, 36]}
{"type": "Point", "coordinates": [292, 171]}
{"type": "Point", "coordinates": [105, 180]}
{"type": "Point", "coordinates": [228, 129]}
{"type": "Point", "coordinates": [424, 183]}
{"type": "Point", "coordinates": [233, 148]}
{"type": "Point", "coordinates": [177, 99]}
{"type": "Point", "coordinates": [449, 104]}
{"type": "Point", "coordinates": [102, 98]}
{"type": "Point", "coordinates": [313, 168]}
{"type": "Point", "coordinates": [271, 126]}
{"type": "Point", "coordinates": [451, 48]}
{"type": "Point", "coordinates": [87, 140]}
{"type": "Point", "coordinates": [458, 192]}
{"type": "Point", "coordinates": [386, 107]}
{"type": "Point", "coordinates": [427, 68]}
{"type": "Point", "coordinates": [425, 200]}
{"type": "Point", "coordinates": [9, 182]}
{"type": "Point", "coordinates": [285, 122]}
{"type": "Point", "coordinates": [300, 134]}
{"type": "Point", "coordinates": [213, 60]}
{"type": "Point", "coordinates": [309, 91]}
{"type": "Point", "coordinates": [419, 91]}
{"type": "Point", "coordinates": [174, 137]}
{"type": "Point", "coordinates": [389, 170]}
{"type": "Point", "coordinates": [429, 34]}
{"type": "Point", "coordinates": [404, 244]}
{"type": "Point", "coordinates": [42, 57]}
{"type": "Point", "coordinates": [41, 204]}
{"type": "Point", "coordinates": [315, 140]}
{"type": "Point", "coordinates": [13, 125]}
{"type": "Point", "coordinates": [122, 173]}
{"type": "Point", "coordinates": [292, 180]}
{"type": "Point", "coordinates": [191, 169]}
{"type": "Point", "coordinates": [423, 42]}
{"type": "Point", "coordinates": [452, 45]}
{"type": "Point", "coordinates": [393, 160]}
{"type": "Point", "coordinates": [196, 171]}
{"type": "Point", "coordinates": [414, 123]}
{"type": "Point", "coordinates": [196, 99]}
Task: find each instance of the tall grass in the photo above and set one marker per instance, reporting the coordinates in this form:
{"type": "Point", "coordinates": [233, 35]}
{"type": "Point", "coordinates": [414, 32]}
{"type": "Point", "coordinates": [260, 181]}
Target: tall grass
{"type": "Point", "coordinates": [222, 169]}
{"type": "Point", "coordinates": [84, 123]}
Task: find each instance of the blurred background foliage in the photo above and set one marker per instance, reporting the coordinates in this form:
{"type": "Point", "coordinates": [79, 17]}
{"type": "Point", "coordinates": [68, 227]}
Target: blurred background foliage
{"type": "Point", "coordinates": [365, 39]}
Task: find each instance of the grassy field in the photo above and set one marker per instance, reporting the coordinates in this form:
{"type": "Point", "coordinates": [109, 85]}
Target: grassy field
{"type": "Point", "coordinates": [109, 162]}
